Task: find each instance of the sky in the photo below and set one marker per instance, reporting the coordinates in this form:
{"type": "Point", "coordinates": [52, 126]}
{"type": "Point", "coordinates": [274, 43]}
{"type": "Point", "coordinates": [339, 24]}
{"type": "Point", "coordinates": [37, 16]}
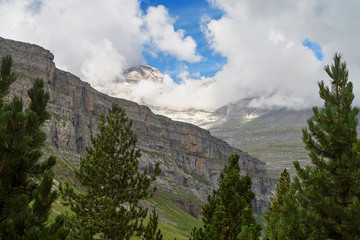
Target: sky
{"type": "Point", "coordinates": [211, 52]}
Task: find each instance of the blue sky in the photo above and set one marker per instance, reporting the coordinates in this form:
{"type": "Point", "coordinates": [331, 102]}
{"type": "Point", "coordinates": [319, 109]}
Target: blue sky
{"type": "Point", "coordinates": [314, 47]}
{"type": "Point", "coordinates": [252, 49]}
{"type": "Point", "coordinates": [188, 14]}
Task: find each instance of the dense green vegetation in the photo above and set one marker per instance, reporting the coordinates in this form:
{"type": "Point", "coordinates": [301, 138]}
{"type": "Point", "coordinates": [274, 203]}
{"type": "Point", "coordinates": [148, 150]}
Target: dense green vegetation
{"type": "Point", "coordinates": [26, 194]}
{"type": "Point", "coordinates": [107, 196]}
{"type": "Point", "coordinates": [228, 213]}
{"type": "Point", "coordinates": [152, 232]}
{"type": "Point", "coordinates": [163, 202]}
{"type": "Point", "coordinates": [114, 186]}
{"type": "Point", "coordinates": [173, 223]}
{"type": "Point", "coordinates": [323, 201]}
{"type": "Point", "coordinates": [273, 213]}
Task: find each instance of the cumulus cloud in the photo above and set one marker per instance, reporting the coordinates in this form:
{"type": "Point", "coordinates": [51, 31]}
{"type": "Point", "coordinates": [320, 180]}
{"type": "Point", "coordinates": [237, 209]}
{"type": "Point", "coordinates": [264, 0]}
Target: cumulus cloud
{"type": "Point", "coordinates": [266, 57]}
{"type": "Point", "coordinates": [164, 38]}
{"type": "Point", "coordinates": [261, 63]}
{"type": "Point", "coordinates": [264, 47]}
{"type": "Point", "coordinates": [101, 38]}
{"type": "Point", "coordinates": [96, 40]}
{"type": "Point", "coordinates": [105, 57]}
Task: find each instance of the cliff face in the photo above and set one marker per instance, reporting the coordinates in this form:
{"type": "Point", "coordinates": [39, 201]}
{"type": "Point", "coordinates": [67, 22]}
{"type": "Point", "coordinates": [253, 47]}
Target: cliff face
{"type": "Point", "coordinates": [192, 159]}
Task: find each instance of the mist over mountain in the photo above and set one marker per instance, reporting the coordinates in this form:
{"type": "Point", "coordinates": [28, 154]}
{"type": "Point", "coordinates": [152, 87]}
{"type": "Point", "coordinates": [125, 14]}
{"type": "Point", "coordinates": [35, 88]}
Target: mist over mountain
{"type": "Point", "coordinates": [272, 54]}
{"type": "Point", "coordinates": [271, 133]}
{"type": "Point", "coordinates": [199, 79]}
{"type": "Point", "coordinates": [191, 158]}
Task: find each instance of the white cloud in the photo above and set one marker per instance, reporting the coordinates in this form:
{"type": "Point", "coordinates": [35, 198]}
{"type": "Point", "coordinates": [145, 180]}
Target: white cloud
{"type": "Point", "coordinates": [276, 37]}
{"type": "Point", "coordinates": [263, 45]}
{"type": "Point", "coordinates": [163, 36]}
{"type": "Point", "coordinates": [95, 40]}
{"type": "Point", "coordinates": [80, 33]}
{"type": "Point", "coordinates": [258, 67]}
{"type": "Point", "coordinates": [104, 57]}
{"type": "Point", "coordinates": [191, 93]}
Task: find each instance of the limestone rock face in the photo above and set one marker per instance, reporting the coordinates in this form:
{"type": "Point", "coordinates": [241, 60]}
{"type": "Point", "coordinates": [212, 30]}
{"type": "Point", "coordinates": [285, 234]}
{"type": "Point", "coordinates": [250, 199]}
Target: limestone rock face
{"type": "Point", "coordinates": [143, 72]}
{"type": "Point", "coordinates": [191, 157]}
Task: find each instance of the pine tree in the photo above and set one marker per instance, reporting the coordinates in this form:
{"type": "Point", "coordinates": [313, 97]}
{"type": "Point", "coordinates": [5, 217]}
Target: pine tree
{"type": "Point", "coordinates": [228, 213]}
{"type": "Point", "coordinates": [152, 232]}
{"type": "Point", "coordinates": [114, 186]}
{"type": "Point", "coordinates": [273, 212]}
{"type": "Point", "coordinates": [327, 194]}
{"type": "Point", "coordinates": [24, 179]}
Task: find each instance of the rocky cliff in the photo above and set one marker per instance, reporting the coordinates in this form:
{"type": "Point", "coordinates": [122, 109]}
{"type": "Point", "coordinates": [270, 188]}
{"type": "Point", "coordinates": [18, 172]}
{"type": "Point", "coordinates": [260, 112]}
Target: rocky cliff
{"type": "Point", "coordinates": [191, 157]}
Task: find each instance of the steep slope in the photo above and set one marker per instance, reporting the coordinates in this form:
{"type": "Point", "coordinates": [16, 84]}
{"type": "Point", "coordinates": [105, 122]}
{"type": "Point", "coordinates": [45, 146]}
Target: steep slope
{"type": "Point", "coordinates": [273, 135]}
{"type": "Point", "coordinates": [191, 157]}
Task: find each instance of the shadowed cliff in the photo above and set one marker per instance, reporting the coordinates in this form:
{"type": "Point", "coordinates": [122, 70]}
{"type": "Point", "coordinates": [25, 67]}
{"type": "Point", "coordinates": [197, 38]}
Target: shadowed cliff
{"type": "Point", "coordinates": [191, 157]}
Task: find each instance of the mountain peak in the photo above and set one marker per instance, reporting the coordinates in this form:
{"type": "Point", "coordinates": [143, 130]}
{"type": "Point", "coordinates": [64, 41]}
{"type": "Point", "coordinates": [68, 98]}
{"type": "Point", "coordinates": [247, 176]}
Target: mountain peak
{"type": "Point", "coordinates": [143, 72]}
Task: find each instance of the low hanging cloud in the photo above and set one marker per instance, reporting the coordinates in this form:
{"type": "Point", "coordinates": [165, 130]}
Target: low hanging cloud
{"type": "Point", "coordinates": [262, 64]}
{"type": "Point", "coordinates": [77, 31]}
{"type": "Point", "coordinates": [104, 57]}
{"type": "Point", "coordinates": [95, 40]}
{"type": "Point", "coordinates": [191, 93]}
{"type": "Point", "coordinates": [264, 45]}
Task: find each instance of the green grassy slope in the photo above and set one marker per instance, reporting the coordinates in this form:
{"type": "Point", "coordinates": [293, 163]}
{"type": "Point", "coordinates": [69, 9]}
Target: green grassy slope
{"type": "Point", "coordinates": [274, 137]}
{"type": "Point", "coordinates": [174, 221]}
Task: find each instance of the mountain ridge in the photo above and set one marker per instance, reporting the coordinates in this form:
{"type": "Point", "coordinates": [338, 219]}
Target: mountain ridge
{"type": "Point", "coordinates": [143, 72]}
{"type": "Point", "coordinates": [191, 158]}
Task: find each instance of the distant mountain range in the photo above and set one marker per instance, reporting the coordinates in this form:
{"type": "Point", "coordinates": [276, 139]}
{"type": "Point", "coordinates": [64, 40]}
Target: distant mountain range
{"type": "Point", "coordinates": [192, 156]}
{"type": "Point", "coordinates": [192, 159]}
{"type": "Point", "coordinates": [272, 135]}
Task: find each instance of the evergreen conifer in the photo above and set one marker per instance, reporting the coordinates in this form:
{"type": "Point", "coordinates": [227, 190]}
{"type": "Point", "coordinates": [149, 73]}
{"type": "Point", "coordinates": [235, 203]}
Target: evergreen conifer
{"type": "Point", "coordinates": [152, 232]}
{"type": "Point", "coordinates": [228, 213]}
{"type": "Point", "coordinates": [327, 194]}
{"type": "Point", "coordinates": [273, 212]}
{"type": "Point", "coordinates": [114, 185]}
{"type": "Point", "coordinates": [25, 181]}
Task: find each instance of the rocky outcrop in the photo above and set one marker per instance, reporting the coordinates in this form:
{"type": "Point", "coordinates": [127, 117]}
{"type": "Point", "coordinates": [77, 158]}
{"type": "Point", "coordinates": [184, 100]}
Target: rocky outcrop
{"type": "Point", "coordinates": [143, 72]}
{"type": "Point", "coordinates": [191, 157]}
